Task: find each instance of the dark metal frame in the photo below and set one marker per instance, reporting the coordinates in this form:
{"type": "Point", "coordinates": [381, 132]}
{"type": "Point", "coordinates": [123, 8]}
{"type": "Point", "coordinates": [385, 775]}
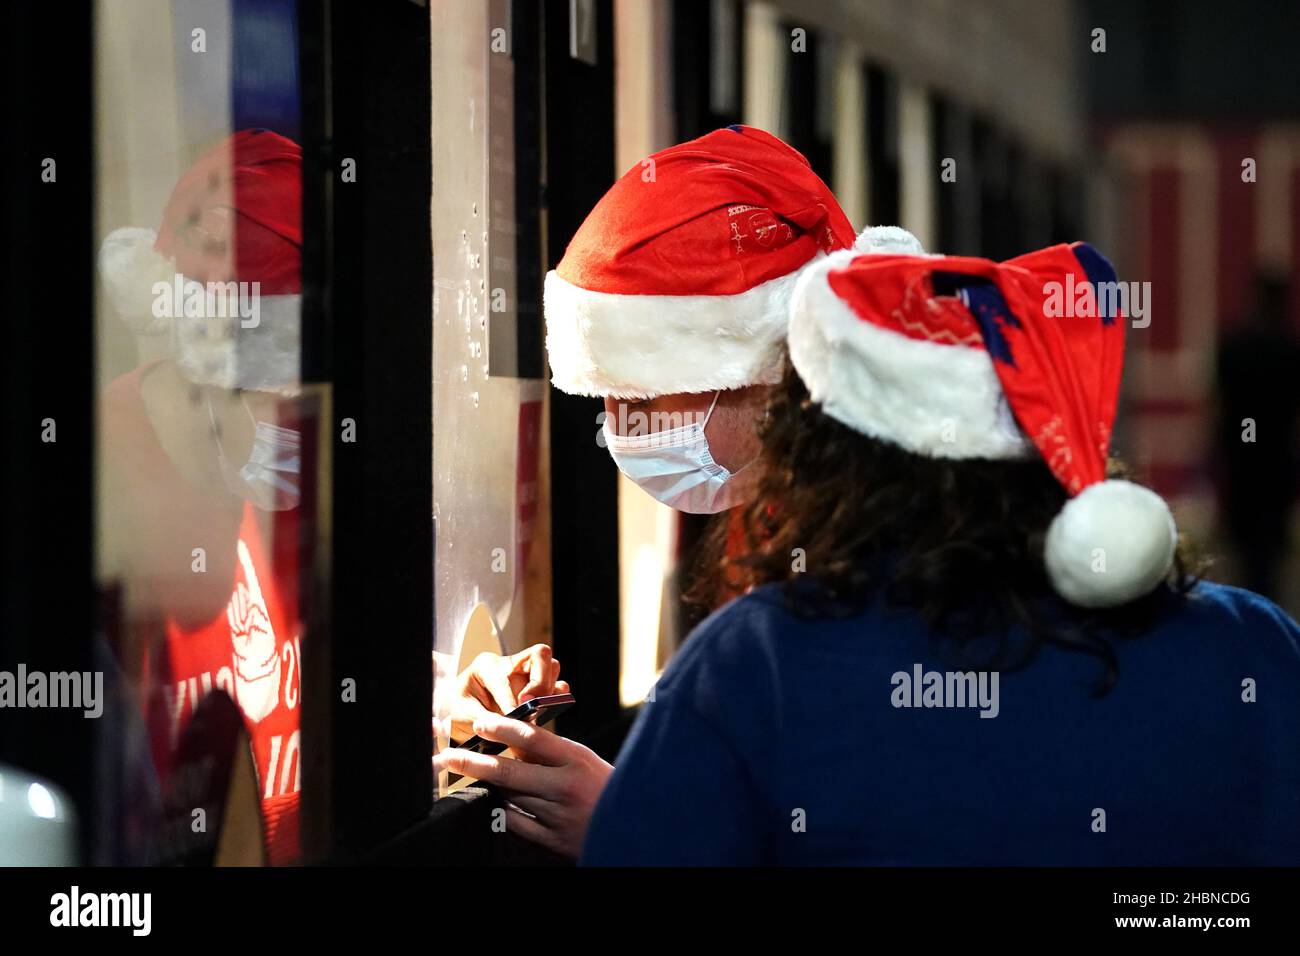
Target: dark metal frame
{"type": "Point", "coordinates": [692, 61]}
{"type": "Point", "coordinates": [584, 485]}
{"type": "Point", "coordinates": [47, 371]}
{"type": "Point", "coordinates": [368, 325]}
{"type": "Point", "coordinates": [801, 97]}
{"type": "Point", "coordinates": [884, 201]}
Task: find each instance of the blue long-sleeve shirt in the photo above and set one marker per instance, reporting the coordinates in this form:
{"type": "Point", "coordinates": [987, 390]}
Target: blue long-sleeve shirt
{"type": "Point", "coordinates": [776, 739]}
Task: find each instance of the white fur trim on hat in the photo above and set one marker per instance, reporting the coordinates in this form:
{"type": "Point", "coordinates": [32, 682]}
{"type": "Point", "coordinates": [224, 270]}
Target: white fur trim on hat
{"type": "Point", "coordinates": [130, 266]}
{"type": "Point", "coordinates": [1111, 543]}
{"type": "Point", "coordinates": [933, 399]}
{"type": "Point", "coordinates": [641, 346]}
{"type": "Point", "coordinates": [262, 352]}
{"type": "Point", "coordinates": [890, 240]}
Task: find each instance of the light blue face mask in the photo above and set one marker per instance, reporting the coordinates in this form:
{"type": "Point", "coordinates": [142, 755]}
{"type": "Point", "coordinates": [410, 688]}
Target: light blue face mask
{"type": "Point", "coordinates": [270, 478]}
{"type": "Point", "coordinates": [677, 468]}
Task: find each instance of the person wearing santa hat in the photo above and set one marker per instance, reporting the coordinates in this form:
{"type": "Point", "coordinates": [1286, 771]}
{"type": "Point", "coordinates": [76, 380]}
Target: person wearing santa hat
{"type": "Point", "coordinates": [993, 648]}
{"type": "Point", "coordinates": [671, 304]}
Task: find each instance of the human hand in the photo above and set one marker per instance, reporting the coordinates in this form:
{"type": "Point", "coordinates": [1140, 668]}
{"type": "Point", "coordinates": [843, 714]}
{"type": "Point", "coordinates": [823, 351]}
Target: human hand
{"type": "Point", "coordinates": [496, 684]}
{"type": "Point", "coordinates": [551, 790]}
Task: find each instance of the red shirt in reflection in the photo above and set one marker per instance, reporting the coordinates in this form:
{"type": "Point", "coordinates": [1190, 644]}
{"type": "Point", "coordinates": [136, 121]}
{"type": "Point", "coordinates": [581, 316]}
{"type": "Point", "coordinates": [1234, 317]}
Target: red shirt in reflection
{"type": "Point", "coordinates": [233, 627]}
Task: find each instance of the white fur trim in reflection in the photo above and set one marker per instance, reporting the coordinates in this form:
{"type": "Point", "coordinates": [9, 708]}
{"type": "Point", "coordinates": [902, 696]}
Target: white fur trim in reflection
{"type": "Point", "coordinates": [219, 351]}
{"type": "Point", "coordinates": [130, 266]}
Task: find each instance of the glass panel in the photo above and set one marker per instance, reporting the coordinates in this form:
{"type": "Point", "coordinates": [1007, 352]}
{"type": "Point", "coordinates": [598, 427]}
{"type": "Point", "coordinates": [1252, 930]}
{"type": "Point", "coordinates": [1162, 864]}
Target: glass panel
{"type": "Point", "coordinates": [206, 488]}
{"type": "Point", "coordinates": [490, 587]}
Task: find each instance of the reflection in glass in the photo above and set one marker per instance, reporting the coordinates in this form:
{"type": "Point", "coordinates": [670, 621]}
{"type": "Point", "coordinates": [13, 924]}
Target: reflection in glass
{"type": "Point", "coordinates": [201, 418]}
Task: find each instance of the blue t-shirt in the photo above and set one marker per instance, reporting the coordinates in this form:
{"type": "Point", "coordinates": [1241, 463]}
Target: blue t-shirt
{"type": "Point", "coordinates": [776, 739]}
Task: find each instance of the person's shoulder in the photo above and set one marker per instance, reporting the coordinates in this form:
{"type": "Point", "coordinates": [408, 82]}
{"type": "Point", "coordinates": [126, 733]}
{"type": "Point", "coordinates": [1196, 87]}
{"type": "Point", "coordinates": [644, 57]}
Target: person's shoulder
{"type": "Point", "coordinates": [124, 388]}
{"type": "Point", "coordinates": [1236, 610]}
{"type": "Point", "coordinates": [1214, 599]}
{"type": "Point", "coordinates": [123, 399]}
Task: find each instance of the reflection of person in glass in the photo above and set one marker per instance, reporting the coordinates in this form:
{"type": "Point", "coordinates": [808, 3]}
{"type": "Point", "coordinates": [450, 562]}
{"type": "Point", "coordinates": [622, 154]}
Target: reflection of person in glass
{"type": "Point", "coordinates": [202, 458]}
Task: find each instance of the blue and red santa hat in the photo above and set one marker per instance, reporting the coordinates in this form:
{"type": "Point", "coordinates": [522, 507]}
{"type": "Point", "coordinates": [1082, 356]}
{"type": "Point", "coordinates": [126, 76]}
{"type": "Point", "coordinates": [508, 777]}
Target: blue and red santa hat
{"type": "Point", "coordinates": [959, 357]}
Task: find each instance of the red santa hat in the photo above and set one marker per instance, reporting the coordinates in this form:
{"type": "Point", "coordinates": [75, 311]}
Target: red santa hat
{"type": "Point", "coordinates": [236, 214]}
{"type": "Point", "coordinates": [679, 279]}
{"type": "Point", "coordinates": [955, 357]}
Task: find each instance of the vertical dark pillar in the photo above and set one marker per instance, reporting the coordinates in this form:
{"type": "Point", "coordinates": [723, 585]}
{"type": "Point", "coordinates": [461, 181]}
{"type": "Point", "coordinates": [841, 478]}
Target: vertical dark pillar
{"type": "Point", "coordinates": [368, 290]}
{"type": "Point", "coordinates": [47, 374]}
{"type": "Point", "coordinates": [708, 65]}
{"type": "Point", "coordinates": [882, 148]}
{"type": "Point", "coordinates": [806, 99]}
{"type": "Point", "coordinates": [584, 488]}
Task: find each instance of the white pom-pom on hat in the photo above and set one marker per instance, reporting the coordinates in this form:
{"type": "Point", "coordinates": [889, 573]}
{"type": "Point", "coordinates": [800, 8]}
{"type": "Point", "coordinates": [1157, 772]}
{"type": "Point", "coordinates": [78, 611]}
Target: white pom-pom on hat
{"type": "Point", "coordinates": [1110, 544]}
{"type": "Point", "coordinates": [130, 266]}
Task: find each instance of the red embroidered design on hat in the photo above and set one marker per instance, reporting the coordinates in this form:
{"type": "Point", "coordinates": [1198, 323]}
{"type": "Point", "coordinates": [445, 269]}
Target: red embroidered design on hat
{"type": "Point", "coordinates": [755, 229]}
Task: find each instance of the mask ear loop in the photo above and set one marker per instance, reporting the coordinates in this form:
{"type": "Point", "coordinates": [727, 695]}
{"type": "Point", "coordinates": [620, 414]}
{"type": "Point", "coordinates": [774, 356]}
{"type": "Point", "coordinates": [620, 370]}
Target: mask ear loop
{"type": "Point", "coordinates": [216, 430]}
{"type": "Point", "coordinates": [704, 424]}
{"type": "Point", "coordinates": [767, 415]}
{"type": "Point", "coordinates": [709, 413]}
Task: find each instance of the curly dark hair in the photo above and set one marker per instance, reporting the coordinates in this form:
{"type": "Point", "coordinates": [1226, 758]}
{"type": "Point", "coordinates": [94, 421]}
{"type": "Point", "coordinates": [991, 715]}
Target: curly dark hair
{"type": "Point", "coordinates": [959, 541]}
